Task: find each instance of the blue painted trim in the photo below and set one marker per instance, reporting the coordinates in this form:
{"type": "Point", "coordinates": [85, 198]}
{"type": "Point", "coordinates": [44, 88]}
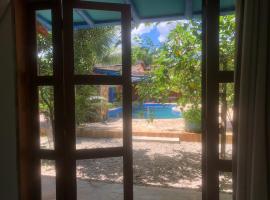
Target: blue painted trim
{"type": "Point", "coordinates": [85, 17]}
{"type": "Point", "coordinates": [85, 25]}
{"type": "Point", "coordinates": [106, 72]}
{"type": "Point", "coordinates": [46, 23]}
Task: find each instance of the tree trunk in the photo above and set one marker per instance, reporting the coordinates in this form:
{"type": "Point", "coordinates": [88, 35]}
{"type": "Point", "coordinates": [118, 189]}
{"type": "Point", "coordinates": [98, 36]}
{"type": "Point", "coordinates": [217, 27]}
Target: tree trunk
{"type": "Point", "coordinates": [223, 121]}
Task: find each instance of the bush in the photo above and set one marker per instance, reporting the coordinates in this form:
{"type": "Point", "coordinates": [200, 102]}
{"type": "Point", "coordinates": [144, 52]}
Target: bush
{"type": "Point", "coordinates": [192, 120]}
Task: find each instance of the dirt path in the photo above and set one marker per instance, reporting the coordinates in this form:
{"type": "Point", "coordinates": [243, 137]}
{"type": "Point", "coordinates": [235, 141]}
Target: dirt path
{"type": "Point", "coordinates": [166, 164]}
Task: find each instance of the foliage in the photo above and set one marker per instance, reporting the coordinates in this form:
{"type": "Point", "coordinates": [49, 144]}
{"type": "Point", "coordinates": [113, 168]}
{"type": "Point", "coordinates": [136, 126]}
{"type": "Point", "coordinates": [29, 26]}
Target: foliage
{"type": "Point", "coordinates": [192, 120]}
{"type": "Point", "coordinates": [178, 66]}
{"type": "Point", "coordinates": [193, 115]}
{"type": "Point", "coordinates": [45, 67]}
{"type": "Point", "coordinates": [90, 48]}
{"type": "Point", "coordinates": [88, 104]}
{"type": "Point", "coordinates": [227, 50]}
{"type": "Point", "coordinates": [46, 106]}
{"type": "Point", "coordinates": [227, 42]}
{"type": "Point", "coordinates": [143, 51]}
{"type": "Point", "coordinates": [141, 54]}
{"type": "Point", "coordinates": [45, 54]}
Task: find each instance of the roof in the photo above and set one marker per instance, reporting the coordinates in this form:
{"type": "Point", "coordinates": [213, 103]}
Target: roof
{"type": "Point", "coordinates": [115, 70]}
{"type": "Point", "coordinates": [142, 11]}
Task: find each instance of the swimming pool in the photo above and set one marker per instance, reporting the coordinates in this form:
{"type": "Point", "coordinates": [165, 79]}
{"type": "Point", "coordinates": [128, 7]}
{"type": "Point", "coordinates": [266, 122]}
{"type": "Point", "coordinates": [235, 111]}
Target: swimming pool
{"type": "Point", "coordinates": [148, 111]}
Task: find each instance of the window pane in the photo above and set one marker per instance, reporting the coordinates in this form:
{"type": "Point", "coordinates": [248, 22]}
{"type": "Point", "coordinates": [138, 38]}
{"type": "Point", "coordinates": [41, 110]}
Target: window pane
{"type": "Point", "coordinates": [166, 118]}
{"type": "Point", "coordinates": [227, 31]}
{"type": "Point", "coordinates": [97, 48]}
{"type": "Point", "coordinates": [46, 117]}
{"type": "Point", "coordinates": [226, 99]}
{"type": "Point", "coordinates": [100, 179]}
{"type": "Point", "coordinates": [99, 122]}
{"type": "Point", "coordinates": [44, 43]}
{"type": "Point", "coordinates": [225, 185]}
{"type": "Point", "coordinates": [48, 183]}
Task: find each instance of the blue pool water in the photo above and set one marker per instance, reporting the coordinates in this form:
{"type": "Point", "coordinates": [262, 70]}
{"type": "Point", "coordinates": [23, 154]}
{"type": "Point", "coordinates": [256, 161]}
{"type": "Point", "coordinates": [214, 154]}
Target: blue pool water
{"type": "Point", "coordinates": [148, 111]}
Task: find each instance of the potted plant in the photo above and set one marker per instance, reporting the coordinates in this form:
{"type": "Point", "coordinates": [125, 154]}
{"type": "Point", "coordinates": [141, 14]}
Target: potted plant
{"type": "Point", "coordinates": [192, 117]}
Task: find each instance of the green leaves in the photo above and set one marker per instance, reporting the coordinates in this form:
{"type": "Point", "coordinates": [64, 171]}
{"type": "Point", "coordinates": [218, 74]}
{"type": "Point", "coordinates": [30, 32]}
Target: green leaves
{"type": "Point", "coordinates": [45, 55]}
{"type": "Point", "coordinates": [90, 48]}
{"type": "Point", "coordinates": [227, 42]}
{"type": "Point", "coordinates": [46, 101]}
{"type": "Point", "coordinates": [178, 65]}
{"type": "Point", "coordinates": [88, 104]}
{"type": "Point", "coordinates": [193, 115]}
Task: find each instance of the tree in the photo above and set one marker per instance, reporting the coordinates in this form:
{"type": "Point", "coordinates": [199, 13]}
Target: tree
{"type": "Point", "coordinates": [227, 52]}
{"type": "Point", "coordinates": [45, 68]}
{"type": "Point", "coordinates": [141, 54]}
{"type": "Point", "coordinates": [90, 47]}
{"type": "Point", "coordinates": [143, 51]}
{"type": "Point", "coordinates": [178, 66]}
{"type": "Point", "coordinates": [226, 61]}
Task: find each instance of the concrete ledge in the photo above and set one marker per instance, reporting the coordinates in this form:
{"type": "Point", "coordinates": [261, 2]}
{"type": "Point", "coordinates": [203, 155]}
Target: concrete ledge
{"type": "Point", "coordinates": [182, 136]}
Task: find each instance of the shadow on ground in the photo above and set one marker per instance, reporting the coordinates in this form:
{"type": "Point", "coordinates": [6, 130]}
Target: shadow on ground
{"type": "Point", "coordinates": [183, 170]}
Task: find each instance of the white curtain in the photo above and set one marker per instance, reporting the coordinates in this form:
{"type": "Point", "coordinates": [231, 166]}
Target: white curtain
{"type": "Point", "coordinates": [4, 5]}
{"type": "Point", "coordinates": [252, 171]}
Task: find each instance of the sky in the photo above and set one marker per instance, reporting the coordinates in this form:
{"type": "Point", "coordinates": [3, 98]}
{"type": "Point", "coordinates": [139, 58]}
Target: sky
{"type": "Point", "coordinates": [158, 33]}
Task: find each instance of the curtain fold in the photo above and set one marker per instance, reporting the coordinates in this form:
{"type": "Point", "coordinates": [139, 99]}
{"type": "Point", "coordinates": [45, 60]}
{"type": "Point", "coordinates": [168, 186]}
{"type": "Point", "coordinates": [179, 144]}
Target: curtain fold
{"type": "Point", "coordinates": [252, 169]}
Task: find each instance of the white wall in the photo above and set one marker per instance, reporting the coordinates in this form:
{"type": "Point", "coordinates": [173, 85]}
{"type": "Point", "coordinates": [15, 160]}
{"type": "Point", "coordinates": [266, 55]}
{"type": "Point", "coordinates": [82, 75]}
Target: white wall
{"type": "Point", "coordinates": [8, 161]}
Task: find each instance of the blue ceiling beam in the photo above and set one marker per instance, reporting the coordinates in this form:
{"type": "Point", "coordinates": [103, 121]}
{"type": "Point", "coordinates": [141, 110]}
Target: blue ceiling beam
{"type": "Point", "coordinates": [44, 22]}
{"type": "Point", "coordinates": [85, 17]}
{"type": "Point", "coordinates": [87, 22]}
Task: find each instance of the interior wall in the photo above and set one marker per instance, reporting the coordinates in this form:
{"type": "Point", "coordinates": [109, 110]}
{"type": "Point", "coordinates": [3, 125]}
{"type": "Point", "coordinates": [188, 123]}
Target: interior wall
{"type": "Point", "coordinates": [8, 144]}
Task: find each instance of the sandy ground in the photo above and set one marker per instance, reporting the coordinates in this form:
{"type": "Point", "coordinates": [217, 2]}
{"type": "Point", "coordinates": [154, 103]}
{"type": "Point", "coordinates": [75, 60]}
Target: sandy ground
{"type": "Point", "coordinates": [156, 163]}
{"type": "Point", "coordinates": [144, 125]}
{"type": "Point", "coordinates": [140, 125]}
{"type": "Point", "coordinates": [107, 191]}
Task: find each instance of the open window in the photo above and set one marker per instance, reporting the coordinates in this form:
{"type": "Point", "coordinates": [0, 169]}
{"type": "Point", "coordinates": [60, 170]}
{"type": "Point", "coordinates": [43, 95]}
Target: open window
{"type": "Point", "coordinates": [60, 153]}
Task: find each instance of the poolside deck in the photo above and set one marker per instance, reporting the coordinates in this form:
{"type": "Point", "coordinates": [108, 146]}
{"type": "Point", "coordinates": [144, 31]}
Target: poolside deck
{"type": "Point", "coordinates": [169, 128]}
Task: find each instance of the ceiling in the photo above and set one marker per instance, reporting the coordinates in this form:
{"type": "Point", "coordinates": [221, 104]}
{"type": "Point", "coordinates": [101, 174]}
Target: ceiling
{"type": "Point", "coordinates": [142, 11]}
